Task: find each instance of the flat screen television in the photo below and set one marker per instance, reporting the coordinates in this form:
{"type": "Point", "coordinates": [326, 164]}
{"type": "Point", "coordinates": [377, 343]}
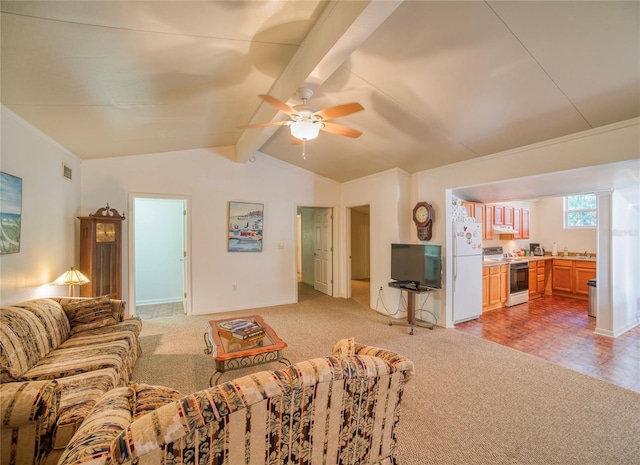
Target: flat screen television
{"type": "Point", "coordinates": [417, 265]}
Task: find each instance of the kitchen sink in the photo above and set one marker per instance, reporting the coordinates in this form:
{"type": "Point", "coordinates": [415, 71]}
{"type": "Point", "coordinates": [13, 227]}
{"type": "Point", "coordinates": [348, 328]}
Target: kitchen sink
{"type": "Point", "coordinates": [581, 257]}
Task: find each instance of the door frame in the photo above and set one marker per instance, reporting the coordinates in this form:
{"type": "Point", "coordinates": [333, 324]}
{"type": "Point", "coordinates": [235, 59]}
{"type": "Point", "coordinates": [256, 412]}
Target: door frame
{"type": "Point", "coordinates": [348, 225]}
{"type": "Point", "coordinates": [297, 208]}
{"type": "Point", "coordinates": [187, 246]}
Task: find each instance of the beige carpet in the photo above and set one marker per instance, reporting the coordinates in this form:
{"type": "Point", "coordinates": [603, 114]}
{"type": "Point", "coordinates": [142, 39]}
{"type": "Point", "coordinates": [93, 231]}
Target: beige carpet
{"type": "Point", "coordinates": [471, 401]}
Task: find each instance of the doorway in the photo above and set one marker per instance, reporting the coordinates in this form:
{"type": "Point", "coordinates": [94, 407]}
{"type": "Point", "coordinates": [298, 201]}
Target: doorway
{"type": "Point", "coordinates": [315, 248]}
{"type": "Point", "coordinates": [159, 251]}
{"type": "Point", "coordinates": [359, 263]}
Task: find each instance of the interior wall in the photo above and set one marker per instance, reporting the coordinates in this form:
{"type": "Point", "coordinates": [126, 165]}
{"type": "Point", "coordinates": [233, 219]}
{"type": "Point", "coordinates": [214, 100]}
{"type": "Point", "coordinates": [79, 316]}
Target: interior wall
{"type": "Point", "coordinates": [550, 216]}
{"type": "Point", "coordinates": [388, 196]}
{"type": "Point", "coordinates": [220, 280]}
{"type": "Point", "coordinates": [625, 250]}
{"type": "Point", "coordinates": [50, 204]}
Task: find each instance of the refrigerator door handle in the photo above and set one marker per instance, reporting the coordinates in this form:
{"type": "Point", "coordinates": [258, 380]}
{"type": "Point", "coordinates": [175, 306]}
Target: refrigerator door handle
{"type": "Point", "coordinates": [455, 256]}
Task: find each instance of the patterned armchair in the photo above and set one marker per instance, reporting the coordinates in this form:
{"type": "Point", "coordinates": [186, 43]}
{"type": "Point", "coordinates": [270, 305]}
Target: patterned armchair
{"type": "Point", "coordinates": [342, 409]}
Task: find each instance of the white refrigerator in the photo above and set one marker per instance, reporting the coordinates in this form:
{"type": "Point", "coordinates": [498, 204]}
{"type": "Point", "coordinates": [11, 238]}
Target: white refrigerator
{"type": "Point", "coordinates": [467, 271]}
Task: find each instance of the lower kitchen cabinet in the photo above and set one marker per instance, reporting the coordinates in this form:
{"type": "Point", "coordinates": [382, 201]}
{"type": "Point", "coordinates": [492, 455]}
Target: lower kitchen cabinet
{"type": "Point", "coordinates": [584, 271]}
{"type": "Point", "coordinates": [570, 277]}
{"type": "Point", "coordinates": [495, 287]}
{"type": "Point", "coordinates": [504, 284]}
{"type": "Point", "coordinates": [537, 279]}
{"type": "Point", "coordinates": [562, 272]}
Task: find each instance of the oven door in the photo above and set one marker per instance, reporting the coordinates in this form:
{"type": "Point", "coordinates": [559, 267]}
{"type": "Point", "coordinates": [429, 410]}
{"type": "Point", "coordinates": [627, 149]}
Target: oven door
{"type": "Point", "coordinates": [518, 277]}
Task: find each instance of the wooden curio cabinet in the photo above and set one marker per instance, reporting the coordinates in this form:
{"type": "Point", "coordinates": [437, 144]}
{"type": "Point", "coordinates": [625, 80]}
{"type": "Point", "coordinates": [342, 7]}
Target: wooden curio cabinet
{"type": "Point", "coordinates": [101, 253]}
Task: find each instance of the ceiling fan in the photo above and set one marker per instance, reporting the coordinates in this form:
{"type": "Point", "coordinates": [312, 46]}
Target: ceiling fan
{"type": "Point", "coordinates": [306, 121]}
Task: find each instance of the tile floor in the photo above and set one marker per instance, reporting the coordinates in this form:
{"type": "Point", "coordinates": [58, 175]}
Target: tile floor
{"type": "Point", "coordinates": [558, 329]}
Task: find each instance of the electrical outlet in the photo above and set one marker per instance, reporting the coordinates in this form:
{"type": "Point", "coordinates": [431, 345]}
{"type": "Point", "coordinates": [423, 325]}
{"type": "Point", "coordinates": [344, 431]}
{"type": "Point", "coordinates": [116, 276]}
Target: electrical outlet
{"type": "Point", "coordinates": [234, 287]}
{"type": "Point", "coordinates": [380, 288]}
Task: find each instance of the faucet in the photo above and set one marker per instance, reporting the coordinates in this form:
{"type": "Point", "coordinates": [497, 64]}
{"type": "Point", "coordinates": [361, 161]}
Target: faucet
{"type": "Point", "coordinates": [586, 254]}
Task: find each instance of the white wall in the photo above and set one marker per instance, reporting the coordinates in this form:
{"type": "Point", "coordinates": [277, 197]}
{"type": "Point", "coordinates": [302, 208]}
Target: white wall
{"type": "Point", "coordinates": [625, 253]}
{"type": "Point", "coordinates": [212, 180]}
{"type": "Point", "coordinates": [50, 204]}
{"type": "Point", "coordinates": [388, 197]}
{"type": "Point", "coordinates": [549, 220]}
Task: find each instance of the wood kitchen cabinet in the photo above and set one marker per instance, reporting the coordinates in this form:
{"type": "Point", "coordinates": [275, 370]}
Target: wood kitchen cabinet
{"type": "Point", "coordinates": [474, 210]}
{"type": "Point", "coordinates": [536, 279]}
{"type": "Point", "coordinates": [504, 284]}
{"type": "Point", "coordinates": [562, 275]}
{"type": "Point", "coordinates": [498, 215]}
{"type": "Point", "coordinates": [488, 222]}
{"type": "Point", "coordinates": [524, 223]}
{"type": "Point", "coordinates": [583, 272]}
{"type": "Point", "coordinates": [517, 222]}
{"type": "Point", "coordinates": [570, 277]}
{"type": "Point", "coordinates": [495, 287]}
{"type": "Point", "coordinates": [508, 215]}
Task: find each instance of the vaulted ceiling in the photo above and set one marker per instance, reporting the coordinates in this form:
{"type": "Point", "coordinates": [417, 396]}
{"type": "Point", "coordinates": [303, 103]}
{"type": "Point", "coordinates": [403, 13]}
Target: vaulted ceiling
{"type": "Point", "coordinates": [440, 81]}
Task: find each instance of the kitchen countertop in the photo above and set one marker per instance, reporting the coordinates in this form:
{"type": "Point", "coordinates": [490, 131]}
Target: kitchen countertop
{"type": "Point", "coordinates": [507, 260]}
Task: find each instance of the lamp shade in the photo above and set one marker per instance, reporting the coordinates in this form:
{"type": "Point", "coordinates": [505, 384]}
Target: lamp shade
{"type": "Point", "coordinates": [71, 278]}
{"type": "Point", "coordinates": [305, 130]}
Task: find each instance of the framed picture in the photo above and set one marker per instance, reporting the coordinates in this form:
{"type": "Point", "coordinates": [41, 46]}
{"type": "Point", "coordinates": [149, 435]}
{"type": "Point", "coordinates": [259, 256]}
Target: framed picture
{"type": "Point", "coordinates": [10, 213]}
{"type": "Point", "coordinates": [245, 227]}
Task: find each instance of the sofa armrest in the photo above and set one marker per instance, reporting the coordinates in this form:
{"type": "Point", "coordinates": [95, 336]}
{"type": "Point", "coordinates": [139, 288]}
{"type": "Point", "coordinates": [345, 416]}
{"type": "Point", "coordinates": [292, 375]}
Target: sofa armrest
{"type": "Point", "coordinates": [27, 402]}
{"type": "Point", "coordinates": [29, 414]}
{"type": "Point", "coordinates": [350, 347]}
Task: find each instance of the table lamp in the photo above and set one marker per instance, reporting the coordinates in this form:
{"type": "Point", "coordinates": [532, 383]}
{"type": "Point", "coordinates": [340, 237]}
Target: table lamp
{"type": "Point", "coordinates": [71, 278]}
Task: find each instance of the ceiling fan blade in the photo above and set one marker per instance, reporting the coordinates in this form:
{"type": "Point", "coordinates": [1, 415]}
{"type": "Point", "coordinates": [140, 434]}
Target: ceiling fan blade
{"type": "Point", "coordinates": [262, 125]}
{"type": "Point", "coordinates": [339, 110]}
{"type": "Point", "coordinates": [340, 130]}
{"type": "Point", "coordinates": [283, 107]}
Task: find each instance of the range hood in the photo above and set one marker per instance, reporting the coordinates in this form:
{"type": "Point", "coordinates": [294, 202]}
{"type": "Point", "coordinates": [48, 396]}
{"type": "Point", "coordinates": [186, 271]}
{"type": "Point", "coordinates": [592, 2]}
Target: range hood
{"type": "Point", "coordinates": [497, 229]}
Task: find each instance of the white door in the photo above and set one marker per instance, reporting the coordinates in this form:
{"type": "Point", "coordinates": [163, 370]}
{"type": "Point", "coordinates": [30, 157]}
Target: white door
{"type": "Point", "coordinates": [323, 251]}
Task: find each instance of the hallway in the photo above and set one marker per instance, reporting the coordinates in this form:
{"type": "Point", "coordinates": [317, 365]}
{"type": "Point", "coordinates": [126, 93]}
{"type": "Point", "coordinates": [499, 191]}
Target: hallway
{"type": "Point", "coordinates": [558, 329]}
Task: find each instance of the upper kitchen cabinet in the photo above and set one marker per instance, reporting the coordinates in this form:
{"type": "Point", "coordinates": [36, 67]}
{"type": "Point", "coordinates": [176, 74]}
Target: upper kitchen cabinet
{"type": "Point", "coordinates": [483, 214]}
{"type": "Point", "coordinates": [474, 210]}
{"type": "Point", "coordinates": [488, 222]}
{"type": "Point", "coordinates": [498, 215]}
{"type": "Point", "coordinates": [491, 215]}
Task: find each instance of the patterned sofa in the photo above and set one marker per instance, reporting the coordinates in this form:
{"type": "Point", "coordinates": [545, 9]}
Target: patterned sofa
{"type": "Point", "coordinates": [342, 409]}
{"type": "Point", "coordinates": [58, 356]}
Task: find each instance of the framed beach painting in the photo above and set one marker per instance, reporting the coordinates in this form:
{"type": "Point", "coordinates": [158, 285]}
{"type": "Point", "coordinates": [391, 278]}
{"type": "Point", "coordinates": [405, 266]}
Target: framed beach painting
{"type": "Point", "coordinates": [10, 213]}
{"type": "Point", "coordinates": [245, 227]}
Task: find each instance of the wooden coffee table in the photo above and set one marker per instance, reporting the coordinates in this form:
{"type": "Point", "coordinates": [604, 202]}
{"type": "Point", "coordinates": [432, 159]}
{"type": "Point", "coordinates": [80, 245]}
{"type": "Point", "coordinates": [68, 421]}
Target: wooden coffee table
{"type": "Point", "coordinates": [231, 353]}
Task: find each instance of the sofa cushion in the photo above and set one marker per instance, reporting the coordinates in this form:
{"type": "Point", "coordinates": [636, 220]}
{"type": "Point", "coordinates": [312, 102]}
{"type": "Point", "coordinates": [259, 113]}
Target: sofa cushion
{"type": "Point", "coordinates": [23, 342]}
{"type": "Point", "coordinates": [87, 314]}
{"type": "Point", "coordinates": [118, 355]}
{"type": "Point", "coordinates": [52, 316]}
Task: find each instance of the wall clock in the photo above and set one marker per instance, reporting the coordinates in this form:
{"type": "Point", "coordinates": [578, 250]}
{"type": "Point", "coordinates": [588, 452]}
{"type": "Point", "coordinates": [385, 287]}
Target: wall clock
{"type": "Point", "coordinates": [423, 217]}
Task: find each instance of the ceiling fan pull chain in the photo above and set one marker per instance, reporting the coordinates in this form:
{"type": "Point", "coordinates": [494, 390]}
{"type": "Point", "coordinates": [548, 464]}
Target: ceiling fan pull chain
{"type": "Point", "coordinates": [304, 149]}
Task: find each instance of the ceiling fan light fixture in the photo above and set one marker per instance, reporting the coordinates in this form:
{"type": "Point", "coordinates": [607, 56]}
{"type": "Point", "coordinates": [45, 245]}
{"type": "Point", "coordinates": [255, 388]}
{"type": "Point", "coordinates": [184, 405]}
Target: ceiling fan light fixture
{"type": "Point", "coordinates": [305, 130]}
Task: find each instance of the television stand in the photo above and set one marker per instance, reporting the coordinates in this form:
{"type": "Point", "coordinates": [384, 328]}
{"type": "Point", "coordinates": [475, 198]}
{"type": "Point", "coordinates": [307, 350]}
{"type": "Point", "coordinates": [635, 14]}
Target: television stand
{"type": "Point", "coordinates": [412, 290]}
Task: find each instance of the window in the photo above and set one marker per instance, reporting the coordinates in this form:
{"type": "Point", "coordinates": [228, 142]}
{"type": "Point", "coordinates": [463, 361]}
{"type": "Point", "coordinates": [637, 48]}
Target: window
{"type": "Point", "coordinates": [580, 211]}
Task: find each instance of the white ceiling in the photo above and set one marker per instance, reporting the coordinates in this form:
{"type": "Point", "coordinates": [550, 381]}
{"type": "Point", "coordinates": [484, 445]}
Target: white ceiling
{"type": "Point", "coordinates": [441, 81]}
